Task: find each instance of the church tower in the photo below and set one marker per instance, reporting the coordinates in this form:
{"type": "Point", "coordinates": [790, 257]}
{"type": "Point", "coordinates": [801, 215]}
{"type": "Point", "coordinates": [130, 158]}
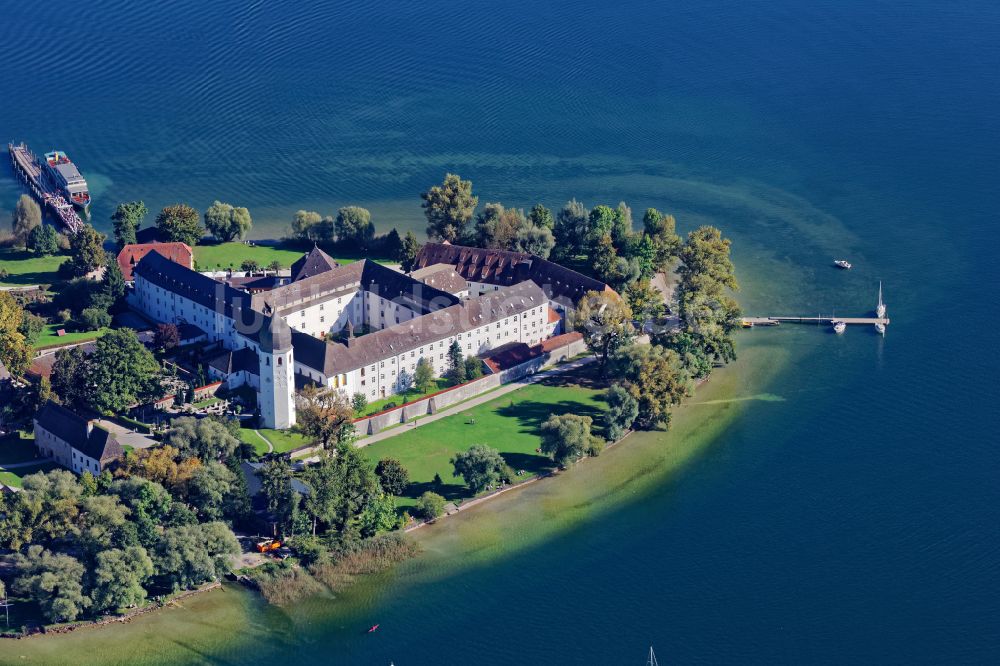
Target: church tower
{"type": "Point", "coordinates": [277, 375]}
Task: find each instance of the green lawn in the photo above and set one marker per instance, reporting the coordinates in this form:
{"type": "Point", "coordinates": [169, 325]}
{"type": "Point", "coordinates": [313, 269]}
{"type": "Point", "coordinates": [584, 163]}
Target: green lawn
{"type": "Point", "coordinates": [48, 337]}
{"type": "Point", "coordinates": [206, 403]}
{"type": "Point", "coordinates": [412, 395]}
{"type": "Point", "coordinates": [426, 450]}
{"type": "Point", "coordinates": [26, 268]}
{"type": "Point", "coordinates": [13, 477]}
{"type": "Point", "coordinates": [282, 440]}
{"type": "Point", "coordinates": [224, 255]}
{"type": "Point", "coordinates": [17, 448]}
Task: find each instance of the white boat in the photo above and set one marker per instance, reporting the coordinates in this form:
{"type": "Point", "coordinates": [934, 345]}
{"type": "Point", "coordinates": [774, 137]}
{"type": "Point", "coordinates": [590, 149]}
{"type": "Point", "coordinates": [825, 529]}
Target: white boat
{"type": "Point", "coordinates": [652, 658]}
{"type": "Point", "coordinates": [839, 327]}
{"type": "Point", "coordinates": [880, 327]}
{"type": "Point", "coordinates": [880, 308]}
{"type": "Point", "coordinates": [842, 263]}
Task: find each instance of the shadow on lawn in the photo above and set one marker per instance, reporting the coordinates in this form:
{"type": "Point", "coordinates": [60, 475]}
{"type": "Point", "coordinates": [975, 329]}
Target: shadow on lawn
{"type": "Point", "coordinates": [449, 491]}
{"type": "Point", "coordinates": [530, 414]}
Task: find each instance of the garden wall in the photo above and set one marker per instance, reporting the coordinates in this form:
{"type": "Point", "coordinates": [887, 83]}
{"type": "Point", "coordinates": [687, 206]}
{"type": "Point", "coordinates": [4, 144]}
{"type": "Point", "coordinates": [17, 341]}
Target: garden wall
{"type": "Point", "coordinates": [437, 401]}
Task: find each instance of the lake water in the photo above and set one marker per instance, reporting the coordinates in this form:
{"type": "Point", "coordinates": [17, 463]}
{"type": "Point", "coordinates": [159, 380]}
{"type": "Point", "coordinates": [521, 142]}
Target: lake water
{"type": "Point", "coordinates": [830, 499]}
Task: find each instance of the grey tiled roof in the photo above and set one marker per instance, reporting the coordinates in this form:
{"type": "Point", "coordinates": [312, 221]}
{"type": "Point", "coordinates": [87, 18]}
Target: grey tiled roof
{"type": "Point", "coordinates": [314, 262]}
{"type": "Point", "coordinates": [190, 284]}
{"type": "Point", "coordinates": [241, 360]}
{"type": "Point", "coordinates": [332, 358]}
{"type": "Point", "coordinates": [345, 280]}
{"type": "Point", "coordinates": [441, 276]}
{"type": "Point", "coordinates": [502, 267]}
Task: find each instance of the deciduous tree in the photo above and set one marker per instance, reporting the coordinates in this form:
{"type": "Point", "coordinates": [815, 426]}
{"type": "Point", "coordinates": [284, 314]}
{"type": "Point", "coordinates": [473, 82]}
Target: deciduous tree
{"type": "Point", "coordinates": [568, 437]}
{"type": "Point", "coordinates": [623, 409]}
{"type": "Point", "coordinates": [354, 226]}
{"type": "Point", "coordinates": [127, 219]}
{"type": "Point", "coordinates": [227, 223]}
{"type": "Point", "coordinates": [180, 223]}
{"type": "Point", "coordinates": [423, 375]}
{"type": "Point", "coordinates": [323, 414]}
{"type": "Point", "coordinates": [605, 321]}
{"type": "Point", "coordinates": [54, 581]}
{"type": "Point", "coordinates": [27, 215]}
{"type": "Point", "coordinates": [86, 248]}
{"type": "Point", "coordinates": [392, 476]}
{"type": "Point", "coordinates": [303, 222]}
{"type": "Point", "coordinates": [430, 505]}
{"type": "Point", "coordinates": [449, 208]}
{"type": "Point", "coordinates": [15, 352]}
{"type": "Point", "coordinates": [656, 378]}
{"type": "Point", "coordinates": [207, 439]}
{"type": "Point", "coordinates": [480, 466]}
{"type": "Point", "coordinates": [123, 372]}
{"type": "Point", "coordinates": [43, 240]}
{"type": "Point", "coordinates": [119, 577]}
{"type": "Point", "coordinates": [408, 253]}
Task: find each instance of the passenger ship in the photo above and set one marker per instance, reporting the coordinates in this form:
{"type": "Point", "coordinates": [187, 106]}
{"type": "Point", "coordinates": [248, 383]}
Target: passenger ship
{"type": "Point", "coordinates": [67, 178]}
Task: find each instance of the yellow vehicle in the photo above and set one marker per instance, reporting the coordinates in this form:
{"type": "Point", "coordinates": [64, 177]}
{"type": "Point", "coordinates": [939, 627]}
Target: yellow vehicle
{"type": "Point", "coordinates": [268, 545]}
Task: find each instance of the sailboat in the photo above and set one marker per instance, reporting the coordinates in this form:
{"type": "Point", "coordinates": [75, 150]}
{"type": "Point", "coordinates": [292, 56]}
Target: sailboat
{"type": "Point", "coordinates": [652, 658]}
{"type": "Point", "coordinates": [880, 308]}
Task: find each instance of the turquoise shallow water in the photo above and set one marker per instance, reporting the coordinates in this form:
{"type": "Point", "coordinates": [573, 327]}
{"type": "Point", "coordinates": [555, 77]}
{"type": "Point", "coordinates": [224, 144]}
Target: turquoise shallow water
{"type": "Point", "coordinates": [853, 520]}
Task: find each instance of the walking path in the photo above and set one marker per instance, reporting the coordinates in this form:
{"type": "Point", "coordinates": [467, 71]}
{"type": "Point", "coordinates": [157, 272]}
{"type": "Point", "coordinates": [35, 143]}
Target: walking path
{"type": "Point", "coordinates": [270, 446]}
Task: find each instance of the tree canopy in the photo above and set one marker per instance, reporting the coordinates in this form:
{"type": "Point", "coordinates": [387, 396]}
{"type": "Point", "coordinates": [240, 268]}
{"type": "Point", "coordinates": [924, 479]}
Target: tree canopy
{"type": "Point", "coordinates": [480, 466]}
{"type": "Point", "coordinates": [605, 321]}
{"type": "Point", "coordinates": [127, 219]}
{"type": "Point", "coordinates": [15, 352]}
{"type": "Point", "coordinates": [26, 216]}
{"type": "Point", "coordinates": [354, 226]}
{"type": "Point", "coordinates": [86, 248]}
{"type": "Point", "coordinates": [206, 439]}
{"type": "Point", "coordinates": [180, 223]}
{"type": "Point", "coordinates": [324, 414]}
{"type": "Point", "coordinates": [122, 372]}
{"type": "Point", "coordinates": [568, 437]}
{"type": "Point", "coordinates": [43, 240]}
{"type": "Point", "coordinates": [448, 208]}
{"type": "Point", "coordinates": [227, 223]}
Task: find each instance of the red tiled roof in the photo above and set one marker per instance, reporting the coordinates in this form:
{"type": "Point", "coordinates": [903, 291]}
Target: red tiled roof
{"type": "Point", "coordinates": [132, 254]}
{"type": "Point", "coordinates": [553, 316]}
{"type": "Point", "coordinates": [515, 353]}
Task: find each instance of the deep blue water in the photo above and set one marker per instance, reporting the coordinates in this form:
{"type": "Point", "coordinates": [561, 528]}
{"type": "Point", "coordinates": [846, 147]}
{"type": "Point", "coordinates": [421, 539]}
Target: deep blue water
{"type": "Point", "coordinates": [854, 522]}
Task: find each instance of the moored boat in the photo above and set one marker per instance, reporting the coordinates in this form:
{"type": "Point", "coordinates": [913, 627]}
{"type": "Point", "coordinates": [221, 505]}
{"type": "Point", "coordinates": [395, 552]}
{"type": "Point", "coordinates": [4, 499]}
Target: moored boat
{"type": "Point", "coordinates": [839, 327]}
{"type": "Point", "coordinates": [880, 308]}
{"type": "Point", "coordinates": [67, 178]}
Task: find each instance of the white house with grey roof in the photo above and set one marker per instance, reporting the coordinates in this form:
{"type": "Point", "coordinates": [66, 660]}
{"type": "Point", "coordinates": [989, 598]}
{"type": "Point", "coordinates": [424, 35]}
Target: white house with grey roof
{"type": "Point", "coordinates": [277, 338]}
{"type": "Point", "coordinates": [73, 441]}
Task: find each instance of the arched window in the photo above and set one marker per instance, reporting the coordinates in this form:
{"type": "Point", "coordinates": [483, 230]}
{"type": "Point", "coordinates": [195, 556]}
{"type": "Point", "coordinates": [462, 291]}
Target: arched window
{"type": "Point", "coordinates": [279, 360]}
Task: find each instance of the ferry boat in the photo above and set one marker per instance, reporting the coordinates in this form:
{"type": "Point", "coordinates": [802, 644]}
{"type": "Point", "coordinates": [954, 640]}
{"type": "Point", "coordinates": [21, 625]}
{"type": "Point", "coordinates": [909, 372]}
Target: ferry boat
{"type": "Point", "coordinates": [67, 178]}
{"type": "Point", "coordinates": [842, 263]}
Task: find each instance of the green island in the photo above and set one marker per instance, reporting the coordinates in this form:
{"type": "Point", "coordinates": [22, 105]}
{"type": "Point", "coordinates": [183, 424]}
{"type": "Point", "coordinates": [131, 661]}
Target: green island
{"type": "Point", "coordinates": [176, 481]}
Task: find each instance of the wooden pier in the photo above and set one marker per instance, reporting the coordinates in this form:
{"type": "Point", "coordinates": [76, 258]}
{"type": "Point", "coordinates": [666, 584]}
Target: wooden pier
{"type": "Point", "coordinates": [29, 170]}
{"type": "Point", "coordinates": [774, 321]}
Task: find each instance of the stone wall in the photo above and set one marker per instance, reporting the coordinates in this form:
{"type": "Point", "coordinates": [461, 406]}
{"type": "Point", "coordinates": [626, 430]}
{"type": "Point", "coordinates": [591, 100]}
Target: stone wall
{"type": "Point", "coordinates": [450, 396]}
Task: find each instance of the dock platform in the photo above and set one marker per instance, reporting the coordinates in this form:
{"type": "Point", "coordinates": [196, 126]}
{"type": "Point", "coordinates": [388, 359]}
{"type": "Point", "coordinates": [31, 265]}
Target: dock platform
{"type": "Point", "coordinates": [29, 170]}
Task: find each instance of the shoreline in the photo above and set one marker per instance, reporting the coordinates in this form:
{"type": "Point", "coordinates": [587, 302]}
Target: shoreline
{"type": "Point", "coordinates": [105, 621]}
{"type": "Point", "coordinates": [541, 512]}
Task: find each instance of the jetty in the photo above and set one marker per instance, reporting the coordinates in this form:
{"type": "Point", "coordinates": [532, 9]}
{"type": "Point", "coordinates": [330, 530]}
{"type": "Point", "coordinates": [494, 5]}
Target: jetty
{"type": "Point", "coordinates": [821, 319]}
{"type": "Point", "coordinates": [29, 170]}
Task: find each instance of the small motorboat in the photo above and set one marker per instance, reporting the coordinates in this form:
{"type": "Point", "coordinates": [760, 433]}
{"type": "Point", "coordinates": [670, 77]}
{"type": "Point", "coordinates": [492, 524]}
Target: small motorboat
{"type": "Point", "coordinates": [880, 327]}
{"type": "Point", "coordinates": [842, 263]}
{"type": "Point", "coordinates": [373, 629]}
{"type": "Point", "coordinates": [839, 327]}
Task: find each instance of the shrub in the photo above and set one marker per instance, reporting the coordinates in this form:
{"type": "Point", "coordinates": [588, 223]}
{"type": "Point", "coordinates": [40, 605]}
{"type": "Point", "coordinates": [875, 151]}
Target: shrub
{"type": "Point", "coordinates": [95, 318]}
{"type": "Point", "coordinates": [64, 316]}
{"type": "Point", "coordinates": [430, 505]}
